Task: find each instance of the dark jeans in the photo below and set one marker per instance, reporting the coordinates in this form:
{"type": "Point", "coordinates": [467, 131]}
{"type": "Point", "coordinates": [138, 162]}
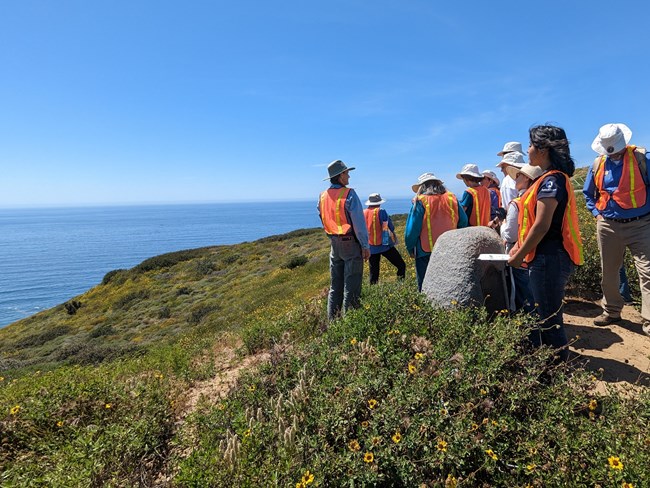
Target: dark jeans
{"type": "Point", "coordinates": [395, 258]}
{"type": "Point", "coordinates": [548, 274]}
{"type": "Point", "coordinates": [421, 263]}
{"type": "Point", "coordinates": [346, 275]}
{"type": "Point", "coordinates": [624, 287]}
{"type": "Point", "coordinates": [523, 296]}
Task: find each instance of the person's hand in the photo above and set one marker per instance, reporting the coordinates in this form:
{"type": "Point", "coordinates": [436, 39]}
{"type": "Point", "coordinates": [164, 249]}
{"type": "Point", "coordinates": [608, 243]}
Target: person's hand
{"type": "Point", "coordinates": [494, 223]}
{"type": "Point", "coordinates": [516, 260]}
{"type": "Point", "coordinates": [599, 217]}
{"type": "Point", "coordinates": [365, 253]}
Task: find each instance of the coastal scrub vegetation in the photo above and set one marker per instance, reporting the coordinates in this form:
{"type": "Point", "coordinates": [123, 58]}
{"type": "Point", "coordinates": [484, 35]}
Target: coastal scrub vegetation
{"type": "Point", "coordinates": [397, 393]}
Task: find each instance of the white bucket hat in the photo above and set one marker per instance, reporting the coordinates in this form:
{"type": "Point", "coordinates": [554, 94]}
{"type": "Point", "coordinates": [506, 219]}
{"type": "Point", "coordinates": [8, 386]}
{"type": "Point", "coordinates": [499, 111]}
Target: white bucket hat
{"type": "Point", "coordinates": [492, 175]}
{"type": "Point", "coordinates": [469, 170]}
{"type": "Point", "coordinates": [512, 159]}
{"type": "Point", "coordinates": [423, 178]}
{"type": "Point", "coordinates": [509, 147]}
{"type": "Point", "coordinates": [611, 139]}
{"type": "Point", "coordinates": [533, 172]}
{"type": "Point", "coordinates": [374, 199]}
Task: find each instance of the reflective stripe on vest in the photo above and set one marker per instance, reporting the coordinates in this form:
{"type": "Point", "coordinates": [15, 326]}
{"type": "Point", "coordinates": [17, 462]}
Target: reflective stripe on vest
{"type": "Point", "coordinates": [481, 205]}
{"type": "Point", "coordinates": [571, 238]}
{"type": "Point", "coordinates": [631, 190]}
{"type": "Point", "coordinates": [439, 216]}
{"type": "Point", "coordinates": [332, 211]}
{"type": "Point", "coordinates": [374, 226]}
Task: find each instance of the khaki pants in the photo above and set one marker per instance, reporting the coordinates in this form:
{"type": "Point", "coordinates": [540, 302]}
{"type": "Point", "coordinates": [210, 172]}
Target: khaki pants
{"type": "Point", "coordinates": [613, 238]}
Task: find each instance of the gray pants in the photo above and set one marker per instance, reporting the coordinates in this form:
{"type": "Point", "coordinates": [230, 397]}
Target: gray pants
{"type": "Point", "coordinates": [346, 273]}
{"type": "Point", "coordinates": [613, 238]}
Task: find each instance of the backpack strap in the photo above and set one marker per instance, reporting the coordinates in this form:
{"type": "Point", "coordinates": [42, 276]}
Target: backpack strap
{"type": "Point", "coordinates": [640, 155]}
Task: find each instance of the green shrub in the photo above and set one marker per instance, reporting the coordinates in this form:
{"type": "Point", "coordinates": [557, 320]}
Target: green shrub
{"type": "Point", "coordinates": [116, 276]}
{"type": "Point", "coordinates": [295, 262]}
{"type": "Point", "coordinates": [126, 301]}
{"type": "Point", "coordinates": [42, 337]}
{"type": "Point", "coordinates": [200, 311]}
{"type": "Point", "coordinates": [400, 394]}
{"type": "Point", "coordinates": [168, 260]}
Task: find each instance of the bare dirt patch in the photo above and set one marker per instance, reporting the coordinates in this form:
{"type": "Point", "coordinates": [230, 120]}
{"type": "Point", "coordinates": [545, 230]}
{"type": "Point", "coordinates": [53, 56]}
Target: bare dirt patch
{"type": "Point", "coordinates": [621, 350]}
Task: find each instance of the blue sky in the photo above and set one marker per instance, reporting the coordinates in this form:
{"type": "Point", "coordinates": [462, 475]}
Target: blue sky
{"type": "Point", "coordinates": [133, 101]}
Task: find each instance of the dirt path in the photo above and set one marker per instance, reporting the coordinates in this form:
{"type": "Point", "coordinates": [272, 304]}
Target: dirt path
{"type": "Point", "coordinates": [622, 350]}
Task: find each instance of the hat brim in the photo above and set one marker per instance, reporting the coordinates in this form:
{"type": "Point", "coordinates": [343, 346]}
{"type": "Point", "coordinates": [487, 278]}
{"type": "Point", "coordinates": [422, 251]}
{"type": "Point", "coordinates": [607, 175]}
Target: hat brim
{"type": "Point", "coordinates": [512, 171]}
{"type": "Point", "coordinates": [369, 203]}
{"type": "Point", "coordinates": [598, 147]}
{"type": "Point", "coordinates": [467, 173]}
{"type": "Point", "coordinates": [416, 187]}
{"type": "Point", "coordinates": [340, 172]}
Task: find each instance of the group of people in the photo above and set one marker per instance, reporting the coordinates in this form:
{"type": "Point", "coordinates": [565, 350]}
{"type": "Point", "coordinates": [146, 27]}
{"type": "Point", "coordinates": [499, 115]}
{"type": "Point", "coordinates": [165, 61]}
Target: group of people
{"type": "Point", "coordinates": [533, 209]}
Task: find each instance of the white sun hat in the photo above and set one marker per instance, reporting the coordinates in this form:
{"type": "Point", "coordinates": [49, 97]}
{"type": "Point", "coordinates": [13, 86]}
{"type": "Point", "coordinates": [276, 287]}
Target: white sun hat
{"type": "Point", "coordinates": [509, 147]}
{"type": "Point", "coordinates": [512, 159]}
{"type": "Point", "coordinates": [611, 139]}
{"type": "Point", "coordinates": [469, 170]}
{"type": "Point", "coordinates": [423, 178]}
{"type": "Point", "coordinates": [492, 175]}
{"type": "Point", "coordinates": [374, 199]}
{"type": "Point", "coordinates": [533, 172]}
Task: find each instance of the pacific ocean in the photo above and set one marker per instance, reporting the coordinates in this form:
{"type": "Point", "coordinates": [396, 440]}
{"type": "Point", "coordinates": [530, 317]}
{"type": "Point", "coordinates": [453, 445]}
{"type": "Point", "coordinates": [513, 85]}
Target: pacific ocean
{"type": "Point", "coordinates": [49, 255]}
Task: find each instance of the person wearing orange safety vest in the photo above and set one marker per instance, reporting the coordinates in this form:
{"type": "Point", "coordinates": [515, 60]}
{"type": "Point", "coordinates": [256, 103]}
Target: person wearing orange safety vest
{"type": "Point", "coordinates": [549, 240]}
{"type": "Point", "coordinates": [341, 213]}
{"type": "Point", "coordinates": [476, 200]}
{"type": "Point", "coordinates": [616, 193]}
{"type": "Point", "coordinates": [491, 182]}
{"type": "Point", "coordinates": [435, 210]}
{"type": "Point", "coordinates": [381, 237]}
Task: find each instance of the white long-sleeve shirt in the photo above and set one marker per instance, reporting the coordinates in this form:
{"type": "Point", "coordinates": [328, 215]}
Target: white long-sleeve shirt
{"type": "Point", "coordinates": [508, 191]}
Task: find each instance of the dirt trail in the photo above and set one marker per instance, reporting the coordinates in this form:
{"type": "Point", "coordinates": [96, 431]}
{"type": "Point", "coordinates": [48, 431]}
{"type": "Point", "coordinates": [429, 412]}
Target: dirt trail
{"type": "Point", "coordinates": [622, 350]}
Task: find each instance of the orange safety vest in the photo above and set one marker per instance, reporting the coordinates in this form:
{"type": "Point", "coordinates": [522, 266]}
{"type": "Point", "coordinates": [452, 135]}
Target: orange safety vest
{"type": "Point", "coordinates": [481, 206]}
{"type": "Point", "coordinates": [375, 227]}
{"type": "Point", "coordinates": [440, 215]}
{"type": "Point", "coordinates": [571, 238]}
{"type": "Point", "coordinates": [498, 194]}
{"type": "Point", "coordinates": [332, 211]}
{"type": "Point", "coordinates": [631, 191]}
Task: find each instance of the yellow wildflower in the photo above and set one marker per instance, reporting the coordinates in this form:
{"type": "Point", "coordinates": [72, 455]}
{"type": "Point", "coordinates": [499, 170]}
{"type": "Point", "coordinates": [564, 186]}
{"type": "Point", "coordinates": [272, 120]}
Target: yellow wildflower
{"type": "Point", "coordinates": [353, 445]}
{"type": "Point", "coordinates": [251, 388]}
{"type": "Point", "coordinates": [627, 485]}
{"type": "Point", "coordinates": [368, 457]}
{"type": "Point", "coordinates": [485, 421]}
{"type": "Point", "coordinates": [615, 462]}
{"type": "Point", "coordinates": [495, 423]}
{"type": "Point", "coordinates": [442, 446]}
{"type": "Point", "coordinates": [483, 391]}
{"type": "Point", "coordinates": [419, 356]}
{"type": "Point", "coordinates": [59, 423]}
{"type": "Point", "coordinates": [365, 424]}
{"type": "Point", "coordinates": [593, 404]}
{"type": "Point", "coordinates": [443, 412]}
{"type": "Point", "coordinates": [353, 341]}
{"type": "Point", "coordinates": [300, 485]}
{"type": "Point", "coordinates": [376, 440]}
{"type": "Point", "coordinates": [412, 368]}
{"type": "Point", "coordinates": [2, 378]}
{"type": "Point", "coordinates": [531, 467]}
{"type": "Point", "coordinates": [474, 427]}
{"type": "Point", "coordinates": [454, 302]}
{"type": "Point", "coordinates": [307, 478]}
{"type": "Point", "coordinates": [397, 437]}
{"type": "Point", "coordinates": [372, 403]}
{"type": "Point", "coordinates": [108, 406]}
{"type": "Point", "coordinates": [14, 410]}
{"type": "Point", "coordinates": [451, 481]}
{"type": "Point", "coordinates": [490, 453]}
{"type": "Point", "coordinates": [247, 433]}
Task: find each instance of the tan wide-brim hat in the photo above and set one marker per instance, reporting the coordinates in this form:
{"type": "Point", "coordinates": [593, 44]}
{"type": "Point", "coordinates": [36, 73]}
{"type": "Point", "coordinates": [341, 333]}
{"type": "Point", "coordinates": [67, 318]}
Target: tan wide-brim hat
{"type": "Point", "coordinates": [512, 159]}
{"type": "Point", "coordinates": [509, 147]}
{"type": "Point", "coordinates": [532, 172]}
{"type": "Point", "coordinates": [469, 170]}
{"type": "Point", "coordinates": [611, 138]}
{"type": "Point", "coordinates": [492, 175]}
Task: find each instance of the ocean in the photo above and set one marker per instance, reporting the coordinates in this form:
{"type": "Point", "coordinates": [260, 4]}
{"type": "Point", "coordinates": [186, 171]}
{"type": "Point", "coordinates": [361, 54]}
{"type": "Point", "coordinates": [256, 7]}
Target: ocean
{"type": "Point", "coordinates": [49, 255]}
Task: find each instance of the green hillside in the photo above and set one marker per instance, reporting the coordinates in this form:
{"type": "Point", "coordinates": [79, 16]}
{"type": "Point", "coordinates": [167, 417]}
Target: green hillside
{"type": "Point", "coordinates": [97, 392]}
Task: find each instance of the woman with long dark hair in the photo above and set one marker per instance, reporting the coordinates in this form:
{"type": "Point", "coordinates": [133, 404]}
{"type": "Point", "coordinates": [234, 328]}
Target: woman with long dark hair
{"type": "Point", "coordinates": [549, 240]}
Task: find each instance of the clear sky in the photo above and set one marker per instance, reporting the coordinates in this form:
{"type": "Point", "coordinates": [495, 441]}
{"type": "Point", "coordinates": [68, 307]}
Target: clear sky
{"type": "Point", "coordinates": [152, 101]}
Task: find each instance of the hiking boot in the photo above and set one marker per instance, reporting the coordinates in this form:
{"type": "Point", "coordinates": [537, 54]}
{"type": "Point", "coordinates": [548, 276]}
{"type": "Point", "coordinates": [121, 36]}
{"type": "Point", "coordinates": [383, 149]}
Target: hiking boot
{"type": "Point", "coordinates": [606, 319]}
{"type": "Point", "coordinates": [646, 327]}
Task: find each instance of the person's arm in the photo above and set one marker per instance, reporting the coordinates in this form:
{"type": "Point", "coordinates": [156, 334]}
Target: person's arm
{"type": "Point", "coordinates": [510, 228]}
{"type": "Point", "coordinates": [590, 191]}
{"type": "Point", "coordinates": [466, 201]}
{"type": "Point", "coordinates": [463, 221]}
{"type": "Point", "coordinates": [413, 227]}
{"type": "Point", "coordinates": [544, 216]}
{"type": "Point", "coordinates": [390, 225]}
{"type": "Point", "coordinates": [355, 213]}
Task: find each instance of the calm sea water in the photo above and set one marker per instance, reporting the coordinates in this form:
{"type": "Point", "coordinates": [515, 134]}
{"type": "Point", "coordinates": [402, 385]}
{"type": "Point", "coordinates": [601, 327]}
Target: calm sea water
{"type": "Point", "coordinates": [48, 256]}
